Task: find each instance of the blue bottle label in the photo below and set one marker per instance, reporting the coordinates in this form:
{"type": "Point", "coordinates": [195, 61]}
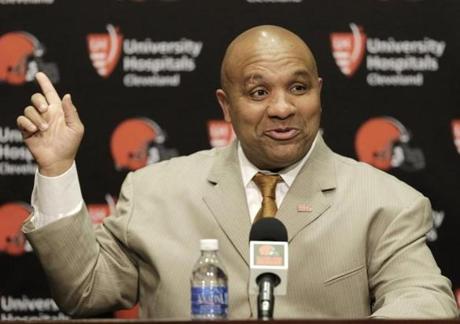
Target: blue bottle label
{"type": "Point", "coordinates": [209, 300]}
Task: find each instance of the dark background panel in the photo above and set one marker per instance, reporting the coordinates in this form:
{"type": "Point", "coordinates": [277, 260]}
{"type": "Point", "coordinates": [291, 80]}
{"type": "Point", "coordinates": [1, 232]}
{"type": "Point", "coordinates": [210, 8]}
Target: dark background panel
{"type": "Point", "coordinates": [183, 111]}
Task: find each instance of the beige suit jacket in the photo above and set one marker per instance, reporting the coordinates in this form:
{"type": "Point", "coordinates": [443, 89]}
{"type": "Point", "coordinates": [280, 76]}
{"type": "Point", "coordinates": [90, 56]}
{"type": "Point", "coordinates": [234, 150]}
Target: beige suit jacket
{"type": "Point", "coordinates": [360, 251]}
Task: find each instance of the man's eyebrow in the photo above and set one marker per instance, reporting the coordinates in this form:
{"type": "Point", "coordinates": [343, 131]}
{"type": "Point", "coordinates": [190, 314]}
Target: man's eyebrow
{"type": "Point", "coordinates": [302, 73]}
{"type": "Point", "coordinates": [253, 77]}
{"type": "Point", "coordinates": [256, 77]}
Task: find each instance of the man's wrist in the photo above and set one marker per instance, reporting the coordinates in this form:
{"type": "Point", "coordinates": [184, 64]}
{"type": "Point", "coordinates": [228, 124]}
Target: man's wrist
{"type": "Point", "coordinates": [56, 196]}
{"type": "Point", "coordinates": [56, 169]}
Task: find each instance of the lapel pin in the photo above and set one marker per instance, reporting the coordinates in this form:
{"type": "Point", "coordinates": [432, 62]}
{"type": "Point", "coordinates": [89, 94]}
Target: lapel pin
{"type": "Point", "coordinates": [304, 208]}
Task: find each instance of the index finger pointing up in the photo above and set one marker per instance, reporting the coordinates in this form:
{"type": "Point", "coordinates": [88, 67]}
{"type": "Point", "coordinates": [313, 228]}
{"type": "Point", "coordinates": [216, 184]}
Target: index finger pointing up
{"type": "Point", "coordinates": [47, 88]}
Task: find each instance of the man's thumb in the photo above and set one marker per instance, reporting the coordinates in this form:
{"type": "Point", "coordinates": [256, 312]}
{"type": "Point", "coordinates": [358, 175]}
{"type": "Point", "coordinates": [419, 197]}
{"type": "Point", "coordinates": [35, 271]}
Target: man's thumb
{"type": "Point", "coordinates": [70, 112]}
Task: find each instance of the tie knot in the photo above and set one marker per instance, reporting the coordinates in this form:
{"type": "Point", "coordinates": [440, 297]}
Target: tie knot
{"type": "Point", "coordinates": [267, 183]}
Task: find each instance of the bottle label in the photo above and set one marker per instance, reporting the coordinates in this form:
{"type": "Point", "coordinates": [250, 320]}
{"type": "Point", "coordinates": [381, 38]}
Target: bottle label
{"type": "Point", "coordinates": [209, 301]}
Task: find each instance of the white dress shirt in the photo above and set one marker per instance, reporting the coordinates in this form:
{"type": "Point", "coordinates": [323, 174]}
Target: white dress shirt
{"type": "Point", "coordinates": [253, 194]}
{"type": "Point", "coordinates": [56, 197]}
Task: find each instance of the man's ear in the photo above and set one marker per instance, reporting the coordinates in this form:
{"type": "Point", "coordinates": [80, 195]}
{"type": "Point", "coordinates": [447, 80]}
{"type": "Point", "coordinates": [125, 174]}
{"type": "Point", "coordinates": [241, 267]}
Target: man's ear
{"type": "Point", "coordinates": [224, 104]}
{"type": "Point", "coordinates": [320, 84]}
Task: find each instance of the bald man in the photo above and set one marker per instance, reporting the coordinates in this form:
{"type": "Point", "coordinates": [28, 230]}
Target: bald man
{"type": "Point", "coordinates": [356, 235]}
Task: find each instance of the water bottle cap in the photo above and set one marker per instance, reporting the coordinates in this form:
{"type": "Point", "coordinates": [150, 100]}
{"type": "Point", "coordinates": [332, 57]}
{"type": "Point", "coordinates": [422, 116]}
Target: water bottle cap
{"type": "Point", "coordinates": [209, 245]}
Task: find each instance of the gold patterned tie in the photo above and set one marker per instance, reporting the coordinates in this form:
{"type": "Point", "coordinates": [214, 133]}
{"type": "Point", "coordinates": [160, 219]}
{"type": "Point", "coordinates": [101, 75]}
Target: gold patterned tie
{"type": "Point", "coordinates": [267, 186]}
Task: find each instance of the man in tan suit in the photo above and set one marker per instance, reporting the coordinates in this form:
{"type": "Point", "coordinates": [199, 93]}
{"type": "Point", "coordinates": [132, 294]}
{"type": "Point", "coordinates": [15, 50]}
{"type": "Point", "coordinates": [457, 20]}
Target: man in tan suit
{"type": "Point", "coordinates": [356, 235]}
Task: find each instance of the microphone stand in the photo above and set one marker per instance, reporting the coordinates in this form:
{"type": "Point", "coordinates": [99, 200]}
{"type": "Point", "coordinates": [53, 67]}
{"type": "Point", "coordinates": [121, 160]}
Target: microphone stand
{"type": "Point", "coordinates": [266, 299]}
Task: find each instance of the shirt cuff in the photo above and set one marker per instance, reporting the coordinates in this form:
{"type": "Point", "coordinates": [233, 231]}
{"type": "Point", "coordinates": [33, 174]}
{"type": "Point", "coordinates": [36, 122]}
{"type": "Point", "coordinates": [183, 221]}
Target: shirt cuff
{"type": "Point", "coordinates": [55, 197]}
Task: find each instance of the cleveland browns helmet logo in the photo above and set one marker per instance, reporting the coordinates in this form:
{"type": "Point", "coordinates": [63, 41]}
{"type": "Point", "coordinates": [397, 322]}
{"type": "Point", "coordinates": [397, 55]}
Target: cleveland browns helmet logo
{"type": "Point", "coordinates": [385, 143]}
{"type": "Point", "coordinates": [12, 216]}
{"type": "Point", "coordinates": [21, 58]}
{"type": "Point", "coordinates": [137, 142]}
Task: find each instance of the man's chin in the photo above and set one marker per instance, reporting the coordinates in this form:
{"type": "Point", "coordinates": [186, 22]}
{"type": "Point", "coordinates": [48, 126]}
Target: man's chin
{"type": "Point", "coordinates": [279, 162]}
{"type": "Point", "coordinates": [277, 157]}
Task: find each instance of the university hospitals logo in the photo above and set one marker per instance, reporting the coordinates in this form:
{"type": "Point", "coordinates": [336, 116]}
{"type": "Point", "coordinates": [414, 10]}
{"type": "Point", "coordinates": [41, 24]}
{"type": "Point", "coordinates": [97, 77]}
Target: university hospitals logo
{"type": "Point", "coordinates": [12, 240]}
{"type": "Point", "coordinates": [15, 157]}
{"type": "Point", "coordinates": [388, 61]}
{"type": "Point", "coordinates": [385, 143]}
{"type": "Point", "coordinates": [348, 49]}
{"type": "Point", "coordinates": [21, 58]}
{"type": "Point", "coordinates": [220, 133]}
{"type": "Point", "coordinates": [137, 142]}
{"type": "Point", "coordinates": [146, 62]}
{"type": "Point", "coordinates": [105, 50]}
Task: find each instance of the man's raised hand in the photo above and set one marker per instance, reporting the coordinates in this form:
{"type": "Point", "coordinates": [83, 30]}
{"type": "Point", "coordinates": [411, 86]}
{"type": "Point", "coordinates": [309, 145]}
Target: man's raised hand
{"type": "Point", "coordinates": [51, 129]}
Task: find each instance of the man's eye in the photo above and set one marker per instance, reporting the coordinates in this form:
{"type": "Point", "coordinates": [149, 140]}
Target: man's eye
{"type": "Point", "coordinates": [299, 89]}
{"type": "Point", "coordinates": [258, 93]}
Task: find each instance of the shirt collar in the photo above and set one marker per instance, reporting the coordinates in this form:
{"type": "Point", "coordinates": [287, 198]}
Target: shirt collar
{"type": "Point", "coordinates": [249, 170]}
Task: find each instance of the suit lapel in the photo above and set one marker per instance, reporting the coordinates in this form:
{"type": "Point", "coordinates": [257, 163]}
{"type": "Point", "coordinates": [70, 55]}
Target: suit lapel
{"type": "Point", "coordinates": [305, 200]}
{"type": "Point", "coordinates": [226, 199]}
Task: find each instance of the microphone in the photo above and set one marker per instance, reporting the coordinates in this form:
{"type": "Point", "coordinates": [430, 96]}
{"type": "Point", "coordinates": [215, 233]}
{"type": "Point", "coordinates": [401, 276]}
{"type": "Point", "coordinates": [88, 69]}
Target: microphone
{"type": "Point", "coordinates": [268, 254]}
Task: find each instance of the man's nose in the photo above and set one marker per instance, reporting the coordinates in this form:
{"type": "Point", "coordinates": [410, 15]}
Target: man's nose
{"type": "Point", "coordinates": [281, 106]}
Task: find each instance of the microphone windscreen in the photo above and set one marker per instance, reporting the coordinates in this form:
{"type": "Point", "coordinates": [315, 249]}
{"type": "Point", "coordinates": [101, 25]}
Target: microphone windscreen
{"type": "Point", "coordinates": [268, 229]}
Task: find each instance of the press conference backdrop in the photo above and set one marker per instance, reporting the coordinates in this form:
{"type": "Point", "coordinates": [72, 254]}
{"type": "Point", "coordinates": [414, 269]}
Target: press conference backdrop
{"type": "Point", "coordinates": [143, 74]}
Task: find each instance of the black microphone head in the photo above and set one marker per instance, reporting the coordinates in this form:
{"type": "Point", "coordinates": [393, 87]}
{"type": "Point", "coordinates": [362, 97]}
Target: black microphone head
{"type": "Point", "coordinates": [268, 229]}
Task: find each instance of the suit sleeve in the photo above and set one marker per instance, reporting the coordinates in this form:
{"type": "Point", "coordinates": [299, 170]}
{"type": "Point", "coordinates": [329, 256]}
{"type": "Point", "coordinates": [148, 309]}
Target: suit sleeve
{"type": "Point", "coordinates": [90, 269]}
{"type": "Point", "coordinates": [404, 280]}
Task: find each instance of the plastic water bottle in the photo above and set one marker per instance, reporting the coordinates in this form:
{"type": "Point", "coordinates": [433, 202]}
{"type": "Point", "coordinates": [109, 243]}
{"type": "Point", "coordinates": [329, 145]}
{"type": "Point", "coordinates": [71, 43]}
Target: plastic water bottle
{"type": "Point", "coordinates": [209, 291]}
